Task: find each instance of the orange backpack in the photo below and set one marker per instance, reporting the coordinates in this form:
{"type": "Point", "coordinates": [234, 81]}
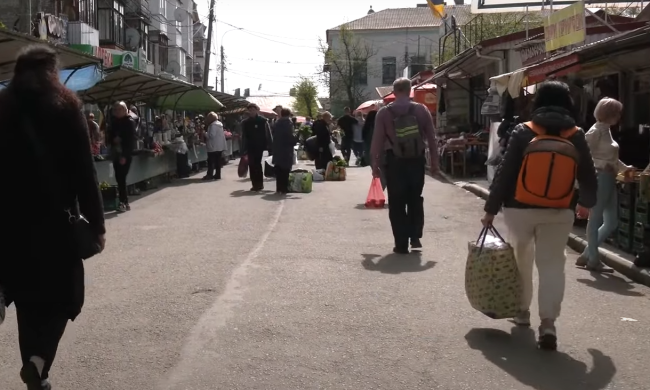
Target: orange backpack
{"type": "Point", "coordinates": [549, 169]}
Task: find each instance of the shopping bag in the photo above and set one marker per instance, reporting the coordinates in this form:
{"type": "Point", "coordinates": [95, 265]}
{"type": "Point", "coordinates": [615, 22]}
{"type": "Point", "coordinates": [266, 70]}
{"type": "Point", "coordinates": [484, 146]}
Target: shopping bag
{"type": "Point", "coordinates": [492, 281]}
{"type": "Point", "coordinates": [334, 172]}
{"type": "Point", "coordinates": [376, 198]}
{"type": "Point", "coordinates": [242, 170]}
{"type": "Point", "coordinates": [269, 170]}
{"type": "Point", "coordinates": [300, 181]}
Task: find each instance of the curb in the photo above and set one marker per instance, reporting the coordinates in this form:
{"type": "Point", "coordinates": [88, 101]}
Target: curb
{"type": "Point", "coordinates": [576, 243]}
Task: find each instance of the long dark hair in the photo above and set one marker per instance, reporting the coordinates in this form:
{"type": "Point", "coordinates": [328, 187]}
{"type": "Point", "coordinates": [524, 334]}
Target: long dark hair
{"type": "Point", "coordinates": [36, 82]}
{"type": "Point", "coordinates": [369, 125]}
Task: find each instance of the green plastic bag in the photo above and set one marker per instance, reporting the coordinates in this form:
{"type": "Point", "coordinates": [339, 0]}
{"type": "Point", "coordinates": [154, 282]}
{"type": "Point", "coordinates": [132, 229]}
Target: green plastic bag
{"type": "Point", "coordinates": [300, 181]}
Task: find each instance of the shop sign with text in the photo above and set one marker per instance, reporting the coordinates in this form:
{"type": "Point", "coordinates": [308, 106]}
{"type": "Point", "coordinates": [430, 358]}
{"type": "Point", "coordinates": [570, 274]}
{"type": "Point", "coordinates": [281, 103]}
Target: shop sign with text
{"type": "Point", "coordinates": [565, 27]}
{"type": "Point", "coordinates": [98, 52]}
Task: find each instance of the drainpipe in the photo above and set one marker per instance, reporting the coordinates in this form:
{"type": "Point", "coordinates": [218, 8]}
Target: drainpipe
{"type": "Point", "coordinates": [501, 60]}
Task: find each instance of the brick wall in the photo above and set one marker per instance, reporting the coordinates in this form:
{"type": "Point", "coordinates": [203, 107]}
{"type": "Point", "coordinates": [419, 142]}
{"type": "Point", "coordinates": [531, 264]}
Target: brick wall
{"type": "Point", "coordinates": [12, 10]}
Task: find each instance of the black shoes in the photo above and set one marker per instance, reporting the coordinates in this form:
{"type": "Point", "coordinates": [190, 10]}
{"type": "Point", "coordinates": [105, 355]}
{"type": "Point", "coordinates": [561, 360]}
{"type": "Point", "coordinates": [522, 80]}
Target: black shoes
{"type": "Point", "coordinates": [415, 243]}
{"type": "Point", "coordinates": [401, 250]}
{"type": "Point", "coordinates": [30, 376]}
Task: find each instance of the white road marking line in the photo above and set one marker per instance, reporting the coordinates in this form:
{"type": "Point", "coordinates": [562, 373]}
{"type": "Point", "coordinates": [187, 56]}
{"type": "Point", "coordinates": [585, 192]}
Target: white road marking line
{"type": "Point", "coordinates": [205, 331]}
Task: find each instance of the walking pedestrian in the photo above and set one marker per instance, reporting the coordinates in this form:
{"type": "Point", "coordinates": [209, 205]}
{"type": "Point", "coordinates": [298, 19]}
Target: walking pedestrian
{"type": "Point", "coordinates": [256, 139]}
{"type": "Point", "coordinates": [534, 185]}
{"type": "Point", "coordinates": [603, 217]}
{"type": "Point", "coordinates": [216, 144]}
{"type": "Point", "coordinates": [401, 129]}
{"type": "Point", "coordinates": [45, 279]}
{"type": "Point", "coordinates": [284, 142]}
{"type": "Point", "coordinates": [323, 140]}
{"type": "Point", "coordinates": [122, 140]}
{"type": "Point", "coordinates": [357, 138]}
{"type": "Point", "coordinates": [346, 124]}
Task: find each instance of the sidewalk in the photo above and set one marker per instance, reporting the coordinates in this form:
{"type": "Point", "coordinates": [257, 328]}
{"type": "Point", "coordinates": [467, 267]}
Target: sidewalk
{"type": "Point", "coordinates": [610, 255]}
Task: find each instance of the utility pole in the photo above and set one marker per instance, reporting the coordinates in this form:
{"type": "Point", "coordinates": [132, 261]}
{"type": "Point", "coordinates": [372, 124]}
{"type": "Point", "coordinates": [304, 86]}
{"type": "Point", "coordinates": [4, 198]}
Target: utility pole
{"type": "Point", "coordinates": [216, 83]}
{"type": "Point", "coordinates": [223, 69]}
{"type": "Point", "coordinates": [206, 70]}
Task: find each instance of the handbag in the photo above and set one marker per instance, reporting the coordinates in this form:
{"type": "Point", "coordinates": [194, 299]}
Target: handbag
{"type": "Point", "coordinates": [85, 240]}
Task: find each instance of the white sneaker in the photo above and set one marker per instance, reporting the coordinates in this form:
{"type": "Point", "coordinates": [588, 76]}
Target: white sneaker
{"type": "Point", "coordinates": [522, 319]}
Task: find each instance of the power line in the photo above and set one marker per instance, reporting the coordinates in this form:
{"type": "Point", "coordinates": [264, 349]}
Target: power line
{"type": "Point", "coordinates": [279, 62]}
{"type": "Point", "coordinates": [268, 39]}
{"type": "Point", "coordinates": [262, 79]}
{"type": "Point", "coordinates": [268, 35]}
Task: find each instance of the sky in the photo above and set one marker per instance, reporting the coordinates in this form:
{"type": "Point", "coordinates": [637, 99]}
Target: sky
{"type": "Point", "coordinates": [279, 40]}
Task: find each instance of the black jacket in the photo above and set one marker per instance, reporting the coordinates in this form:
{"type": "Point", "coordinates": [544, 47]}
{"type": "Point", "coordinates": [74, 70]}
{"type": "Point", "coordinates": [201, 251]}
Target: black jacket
{"type": "Point", "coordinates": [554, 120]}
{"type": "Point", "coordinates": [322, 133]}
{"type": "Point", "coordinates": [256, 135]}
{"type": "Point", "coordinates": [124, 129]}
{"type": "Point", "coordinates": [283, 143]}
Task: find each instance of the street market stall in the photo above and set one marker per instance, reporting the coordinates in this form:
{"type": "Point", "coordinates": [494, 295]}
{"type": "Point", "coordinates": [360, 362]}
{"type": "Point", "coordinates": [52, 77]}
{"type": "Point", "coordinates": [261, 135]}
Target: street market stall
{"type": "Point", "coordinates": [126, 84]}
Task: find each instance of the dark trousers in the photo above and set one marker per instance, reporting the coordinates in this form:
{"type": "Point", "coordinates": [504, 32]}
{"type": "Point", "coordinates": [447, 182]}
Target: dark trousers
{"type": "Point", "coordinates": [282, 179]}
{"type": "Point", "coordinates": [405, 182]}
{"type": "Point", "coordinates": [40, 329]}
{"type": "Point", "coordinates": [255, 169]}
{"type": "Point", "coordinates": [346, 149]}
{"type": "Point", "coordinates": [214, 164]}
{"type": "Point", "coordinates": [121, 171]}
{"type": "Point", "coordinates": [357, 149]}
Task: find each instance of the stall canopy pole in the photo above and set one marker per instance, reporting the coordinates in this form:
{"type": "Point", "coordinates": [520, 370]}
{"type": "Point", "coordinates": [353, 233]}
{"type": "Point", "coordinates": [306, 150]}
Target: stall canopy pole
{"type": "Point", "coordinates": [69, 76]}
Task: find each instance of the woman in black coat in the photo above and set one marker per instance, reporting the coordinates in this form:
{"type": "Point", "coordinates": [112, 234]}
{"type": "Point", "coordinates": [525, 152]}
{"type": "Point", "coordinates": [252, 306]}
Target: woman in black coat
{"type": "Point", "coordinates": [322, 132]}
{"type": "Point", "coordinates": [284, 142]}
{"type": "Point", "coordinates": [41, 273]}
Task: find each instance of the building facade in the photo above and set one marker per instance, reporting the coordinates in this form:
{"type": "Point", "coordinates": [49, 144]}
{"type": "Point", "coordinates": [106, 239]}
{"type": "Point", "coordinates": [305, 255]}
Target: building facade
{"type": "Point", "coordinates": [402, 42]}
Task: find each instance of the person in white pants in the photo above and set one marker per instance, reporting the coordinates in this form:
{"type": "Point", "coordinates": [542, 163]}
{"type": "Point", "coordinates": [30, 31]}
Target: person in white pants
{"type": "Point", "coordinates": [537, 234]}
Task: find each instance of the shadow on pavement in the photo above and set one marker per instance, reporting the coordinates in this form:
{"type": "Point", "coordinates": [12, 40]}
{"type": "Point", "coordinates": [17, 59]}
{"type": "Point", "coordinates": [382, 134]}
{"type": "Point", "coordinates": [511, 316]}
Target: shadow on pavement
{"type": "Point", "coordinates": [240, 193]}
{"type": "Point", "coordinates": [274, 197]}
{"type": "Point", "coordinates": [517, 354]}
{"type": "Point", "coordinates": [395, 263]}
{"type": "Point", "coordinates": [362, 206]}
{"type": "Point", "coordinates": [611, 283]}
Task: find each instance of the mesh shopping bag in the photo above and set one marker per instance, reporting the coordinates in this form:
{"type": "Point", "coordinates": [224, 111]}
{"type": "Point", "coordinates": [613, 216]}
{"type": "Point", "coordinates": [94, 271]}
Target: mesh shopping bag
{"type": "Point", "coordinates": [242, 169]}
{"type": "Point", "coordinates": [376, 198]}
{"type": "Point", "coordinates": [492, 281]}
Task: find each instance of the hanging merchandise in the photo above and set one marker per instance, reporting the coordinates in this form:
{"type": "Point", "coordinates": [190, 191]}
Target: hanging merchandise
{"type": "Point", "coordinates": [492, 103]}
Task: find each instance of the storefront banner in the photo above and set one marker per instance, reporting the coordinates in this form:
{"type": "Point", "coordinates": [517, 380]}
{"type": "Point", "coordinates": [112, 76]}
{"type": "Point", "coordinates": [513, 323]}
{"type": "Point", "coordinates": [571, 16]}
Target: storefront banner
{"type": "Point", "coordinates": [98, 52]}
{"type": "Point", "coordinates": [565, 27]}
{"type": "Point", "coordinates": [127, 59]}
{"type": "Point", "coordinates": [539, 73]}
{"type": "Point", "coordinates": [532, 53]}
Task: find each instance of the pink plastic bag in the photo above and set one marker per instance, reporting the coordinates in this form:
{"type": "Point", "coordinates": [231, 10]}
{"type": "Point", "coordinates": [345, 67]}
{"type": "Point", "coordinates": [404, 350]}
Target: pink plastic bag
{"type": "Point", "coordinates": [376, 198]}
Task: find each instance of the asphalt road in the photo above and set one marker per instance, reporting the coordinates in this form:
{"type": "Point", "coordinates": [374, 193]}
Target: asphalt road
{"type": "Point", "coordinates": [204, 286]}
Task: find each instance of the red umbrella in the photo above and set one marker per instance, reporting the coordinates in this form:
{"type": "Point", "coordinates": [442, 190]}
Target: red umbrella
{"type": "Point", "coordinates": [370, 105]}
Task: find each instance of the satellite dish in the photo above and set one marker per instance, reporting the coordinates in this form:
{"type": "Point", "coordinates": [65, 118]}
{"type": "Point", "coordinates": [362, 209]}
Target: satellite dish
{"type": "Point", "coordinates": [180, 15]}
{"type": "Point", "coordinates": [132, 39]}
{"type": "Point", "coordinates": [173, 68]}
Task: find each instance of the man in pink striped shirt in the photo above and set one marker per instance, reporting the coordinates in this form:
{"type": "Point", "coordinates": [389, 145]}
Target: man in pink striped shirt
{"type": "Point", "coordinates": [398, 149]}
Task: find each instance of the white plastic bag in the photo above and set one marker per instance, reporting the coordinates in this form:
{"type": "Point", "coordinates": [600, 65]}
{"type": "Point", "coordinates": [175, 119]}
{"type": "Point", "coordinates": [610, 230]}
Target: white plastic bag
{"type": "Point", "coordinates": [332, 148]}
{"type": "Point", "coordinates": [295, 158]}
{"type": "Point", "coordinates": [270, 161]}
{"type": "Point", "coordinates": [318, 175]}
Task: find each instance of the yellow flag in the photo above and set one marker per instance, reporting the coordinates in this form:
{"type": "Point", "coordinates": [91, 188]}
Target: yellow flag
{"type": "Point", "coordinates": [437, 7]}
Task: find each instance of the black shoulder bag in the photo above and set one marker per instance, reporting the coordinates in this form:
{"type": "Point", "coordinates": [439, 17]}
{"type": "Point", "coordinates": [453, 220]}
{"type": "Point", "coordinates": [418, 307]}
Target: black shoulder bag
{"type": "Point", "coordinates": [84, 239]}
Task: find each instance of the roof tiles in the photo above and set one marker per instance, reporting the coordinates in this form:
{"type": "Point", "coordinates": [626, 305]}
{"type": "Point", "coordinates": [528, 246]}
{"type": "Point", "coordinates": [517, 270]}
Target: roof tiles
{"type": "Point", "coordinates": [398, 18]}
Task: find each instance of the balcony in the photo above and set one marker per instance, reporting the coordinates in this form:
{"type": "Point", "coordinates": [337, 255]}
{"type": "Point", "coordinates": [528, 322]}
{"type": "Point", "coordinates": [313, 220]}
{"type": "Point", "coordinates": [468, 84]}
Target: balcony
{"type": "Point", "coordinates": [79, 33]}
{"type": "Point", "coordinates": [138, 8]}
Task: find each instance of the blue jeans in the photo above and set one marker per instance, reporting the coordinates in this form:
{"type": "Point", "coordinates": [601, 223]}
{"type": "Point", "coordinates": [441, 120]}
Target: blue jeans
{"type": "Point", "coordinates": [603, 217]}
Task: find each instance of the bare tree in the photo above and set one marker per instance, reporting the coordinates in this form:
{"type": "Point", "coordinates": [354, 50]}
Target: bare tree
{"type": "Point", "coordinates": [347, 67]}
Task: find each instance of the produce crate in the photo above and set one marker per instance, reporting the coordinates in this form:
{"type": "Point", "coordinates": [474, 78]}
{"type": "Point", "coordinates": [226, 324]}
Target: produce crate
{"type": "Point", "coordinates": [110, 198]}
{"type": "Point", "coordinates": [625, 213]}
{"type": "Point", "coordinates": [627, 194]}
{"type": "Point", "coordinates": [624, 240]}
{"type": "Point", "coordinates": [641, 236]}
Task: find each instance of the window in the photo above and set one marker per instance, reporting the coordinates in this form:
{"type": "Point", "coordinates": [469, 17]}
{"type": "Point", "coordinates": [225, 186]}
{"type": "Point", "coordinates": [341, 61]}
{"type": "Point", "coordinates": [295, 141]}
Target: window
{"type": "Point", "coordinates": [163, 8]}
{"type": "Point", "coordinates": [182, 63]}
{"type": "Point", "coordinates": [418, 64]}
{"type": "Point", "coordinates": [145, 44]}
{"type": "Point", "coordinates": [111, 23]}
{"type": "Point", "coordinates": [388, 70]}
{"type": "Point", "coordinates": [360, 72]}
{"type": "Point", "coordinates": [163, 52]}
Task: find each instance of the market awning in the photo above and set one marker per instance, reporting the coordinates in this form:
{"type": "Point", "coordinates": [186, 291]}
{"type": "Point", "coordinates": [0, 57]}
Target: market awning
{"type": "Point", "coordinates": [197, 99]}
{"type": "Point", "coordinates": [11, 43]}
{"type": "Point", "coordinates": [466, 64]}
{"type": "Point", "coordinates": [132, 85]}
{"type": "Point", "coordinates": [230, 102]}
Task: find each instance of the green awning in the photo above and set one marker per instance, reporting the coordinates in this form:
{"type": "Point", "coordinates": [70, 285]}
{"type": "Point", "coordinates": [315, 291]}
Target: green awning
{"type": "Point", "coordinates": [193, 100]}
